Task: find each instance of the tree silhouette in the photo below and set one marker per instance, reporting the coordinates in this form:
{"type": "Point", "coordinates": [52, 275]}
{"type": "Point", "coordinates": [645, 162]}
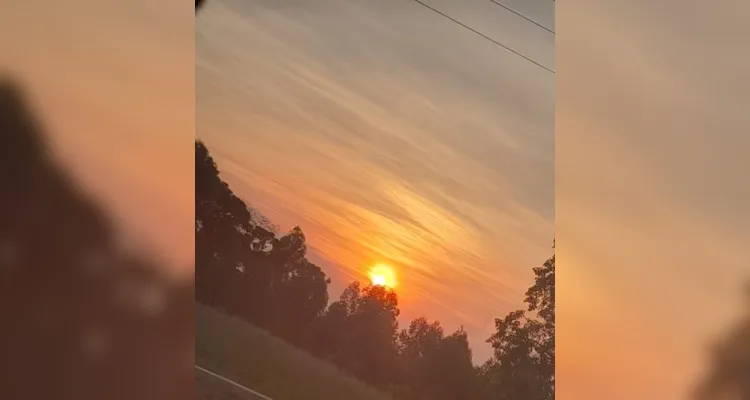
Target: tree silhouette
{"type": "Point", "coordinates": [366, 325]}
{"type": "Point", "coordinates": [242, 267]}
{"type": "Point", "coordinates": [523, 366]}
{"type": "Point", "coordinates": [81, 319]}
{"type": "Point", "coordinates": [435, 366]}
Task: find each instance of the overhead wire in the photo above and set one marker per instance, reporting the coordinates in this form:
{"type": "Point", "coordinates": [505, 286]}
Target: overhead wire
{"type": "Point", "coordinates": [517, 53]}
{"type": "Point", "coordinates": [522, 16]}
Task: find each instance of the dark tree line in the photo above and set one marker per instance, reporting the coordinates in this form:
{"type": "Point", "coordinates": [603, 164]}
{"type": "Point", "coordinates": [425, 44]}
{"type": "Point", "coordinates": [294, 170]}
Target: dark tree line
{"type": "Point", "coordinates": [245, 268]}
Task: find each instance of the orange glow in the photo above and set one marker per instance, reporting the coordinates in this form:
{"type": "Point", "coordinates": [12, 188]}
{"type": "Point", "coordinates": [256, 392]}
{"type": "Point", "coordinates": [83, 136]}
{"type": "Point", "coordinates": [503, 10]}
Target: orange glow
{"type": "Point", "coordinates": [382, 275]}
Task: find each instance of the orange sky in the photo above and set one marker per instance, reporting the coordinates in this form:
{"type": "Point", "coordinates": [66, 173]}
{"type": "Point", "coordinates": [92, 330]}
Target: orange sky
{"type": "Point", "coordinates": [390, 135]}
{"type": "Point", "coordinates": [651, 192]}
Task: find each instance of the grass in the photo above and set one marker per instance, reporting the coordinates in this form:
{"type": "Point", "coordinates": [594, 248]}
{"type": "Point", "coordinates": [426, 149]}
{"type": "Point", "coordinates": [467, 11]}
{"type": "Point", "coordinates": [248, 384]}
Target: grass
{"type": "Point", "coordinates": [256, 359]}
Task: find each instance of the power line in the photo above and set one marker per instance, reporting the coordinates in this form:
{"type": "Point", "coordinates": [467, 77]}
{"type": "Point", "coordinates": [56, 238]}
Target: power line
{"type": "Point", "coordinates": [486, 37]}
{"type": "Point", "coordinates": [523, 16]}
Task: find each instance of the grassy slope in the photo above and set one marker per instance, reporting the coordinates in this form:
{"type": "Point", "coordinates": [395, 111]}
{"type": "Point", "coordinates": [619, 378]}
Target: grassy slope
{"type": "Point", "coordinates": [252, 357]}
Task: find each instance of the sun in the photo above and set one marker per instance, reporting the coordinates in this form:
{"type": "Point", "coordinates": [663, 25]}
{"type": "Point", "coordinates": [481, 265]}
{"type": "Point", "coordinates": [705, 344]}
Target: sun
{"type": "Point", "coordinates": [382, 275]}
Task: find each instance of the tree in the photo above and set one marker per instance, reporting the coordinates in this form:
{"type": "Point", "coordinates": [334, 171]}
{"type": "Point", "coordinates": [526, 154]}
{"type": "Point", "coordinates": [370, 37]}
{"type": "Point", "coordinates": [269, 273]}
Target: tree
{"type": "Point", "coordinates": [453, 367]}
{"type": "Point", "coordinates": [220, 219]}
{"type": "Point", "coordinates": [363, 323]}
{"type": "Point", "coordinates": [300, 288]}
{"type": "Point", "coordinates": [242, 267]}
{"type": "Point", "coordinates": [523, 365]}
{"type": "Point", "coordinates": [434, 366]}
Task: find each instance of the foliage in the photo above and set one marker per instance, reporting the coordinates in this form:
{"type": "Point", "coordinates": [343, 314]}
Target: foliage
{"type": "Point", "coordinates": [436, 366]}
{"type": "Point", "coordinates": [362, 324]}
{"type": "Point", "coordinates": [523, 366]}
{"type": "Point", "coordinates": [244, 268]}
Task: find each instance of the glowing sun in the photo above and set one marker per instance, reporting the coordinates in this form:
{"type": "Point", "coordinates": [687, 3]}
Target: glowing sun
{"type": "Point", "coordinates": [382, 275]}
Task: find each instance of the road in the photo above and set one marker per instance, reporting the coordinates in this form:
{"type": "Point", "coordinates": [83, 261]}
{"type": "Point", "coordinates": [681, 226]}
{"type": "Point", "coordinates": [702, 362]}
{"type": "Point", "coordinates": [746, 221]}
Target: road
{"type": "Point", "coordinates": [233, 383]}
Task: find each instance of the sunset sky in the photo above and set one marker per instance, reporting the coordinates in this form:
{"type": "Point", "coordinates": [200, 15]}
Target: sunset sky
{"type": "Point", "coordinates": [391, 135]}
{"type": "Point", "coordinates": [652, 192]}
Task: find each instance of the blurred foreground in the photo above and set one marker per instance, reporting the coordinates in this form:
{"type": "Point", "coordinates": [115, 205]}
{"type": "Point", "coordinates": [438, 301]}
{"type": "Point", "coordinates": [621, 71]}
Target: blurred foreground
{"type": "Point", "coordinates": [91, 124]}
{"type": "Point", "coordinates": [82, 317]}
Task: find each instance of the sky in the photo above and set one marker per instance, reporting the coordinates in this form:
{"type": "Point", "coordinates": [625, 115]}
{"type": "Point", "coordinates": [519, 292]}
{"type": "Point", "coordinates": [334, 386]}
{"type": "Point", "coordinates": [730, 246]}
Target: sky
{"type": "Point", "coordinates": [651, 192]}
{"type": "Point", "coordinates": [112, 83]}
{"type": "Point", "coordinates": [391, 135]}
